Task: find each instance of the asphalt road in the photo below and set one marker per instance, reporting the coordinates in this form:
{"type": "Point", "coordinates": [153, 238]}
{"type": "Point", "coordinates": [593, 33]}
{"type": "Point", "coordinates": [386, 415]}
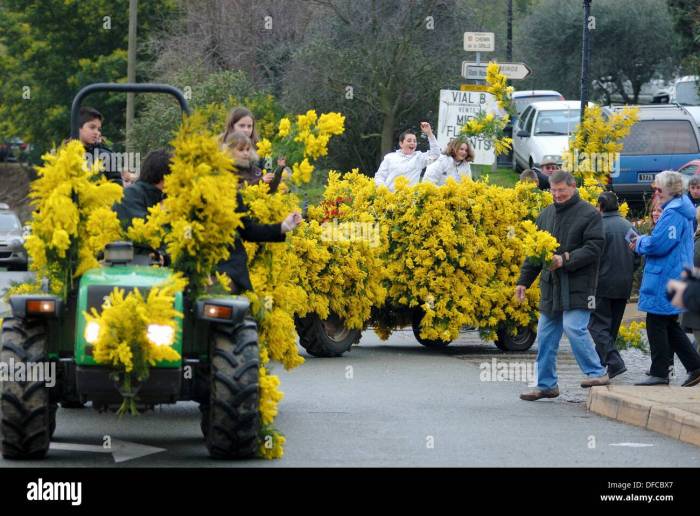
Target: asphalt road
{"type": "Point", "coordinates": [395, 403]}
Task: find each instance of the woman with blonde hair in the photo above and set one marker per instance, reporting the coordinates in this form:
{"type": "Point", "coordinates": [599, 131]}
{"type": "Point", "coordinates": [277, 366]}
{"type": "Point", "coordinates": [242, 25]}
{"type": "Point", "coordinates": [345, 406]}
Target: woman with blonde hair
{"type": "Point", "coordinates": [454, 163]}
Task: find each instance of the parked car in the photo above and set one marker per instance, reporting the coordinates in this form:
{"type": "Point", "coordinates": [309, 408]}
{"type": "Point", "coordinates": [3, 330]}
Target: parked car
{"type": "Point", "coordinates": [666, 137]}
{"type": "Point", "coordinates": [543, 131]}
{"type": "Point", "coordinates": [691, 168]}
{"type": "Point", "coordinates": [13, 150]}
{"type": "Point", "coordinates": [522, 99]}
{"type": "Point", "coordinates": [12, 252]}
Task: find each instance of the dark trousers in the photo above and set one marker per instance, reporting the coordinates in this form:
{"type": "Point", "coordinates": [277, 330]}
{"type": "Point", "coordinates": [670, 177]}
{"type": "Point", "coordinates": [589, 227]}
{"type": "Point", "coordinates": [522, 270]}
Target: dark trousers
{"type": "Point", "coordinates": [665, 338]}
{"type": "Point", "coordinates": [604, 326]}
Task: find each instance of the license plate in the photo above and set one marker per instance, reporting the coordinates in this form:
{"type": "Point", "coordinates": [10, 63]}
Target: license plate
{"type": "Point", "coordinates": [645, 178]}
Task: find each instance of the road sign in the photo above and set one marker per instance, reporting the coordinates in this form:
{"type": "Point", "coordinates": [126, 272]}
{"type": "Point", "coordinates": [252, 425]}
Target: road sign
{"type": "Point", "coordinates": [513, 71]}
{"type": "Point", "coordinates": [456, 108]}
{"type": "Point", "coordinates": [479, 41]}
{"type": "Point", "coordinates": [472, 70]}
{"type": "Point", "coordinates": [473, 87]}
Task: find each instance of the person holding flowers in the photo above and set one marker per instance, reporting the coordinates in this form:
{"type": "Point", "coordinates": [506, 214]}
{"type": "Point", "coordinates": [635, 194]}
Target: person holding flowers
{"type": "Point", "coordinates": [407, 161]}
{"type": "Point", "coordinates": [567, 286]}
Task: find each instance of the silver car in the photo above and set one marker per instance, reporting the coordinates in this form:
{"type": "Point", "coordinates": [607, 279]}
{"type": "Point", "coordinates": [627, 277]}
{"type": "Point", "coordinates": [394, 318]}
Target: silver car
{"type": "Point", "coordinates": [12, 252]}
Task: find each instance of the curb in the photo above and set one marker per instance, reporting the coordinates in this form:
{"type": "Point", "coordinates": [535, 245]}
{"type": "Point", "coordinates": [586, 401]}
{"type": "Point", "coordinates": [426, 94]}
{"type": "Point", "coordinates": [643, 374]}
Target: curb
{"type": "Point", "coordinates": [669, 410]}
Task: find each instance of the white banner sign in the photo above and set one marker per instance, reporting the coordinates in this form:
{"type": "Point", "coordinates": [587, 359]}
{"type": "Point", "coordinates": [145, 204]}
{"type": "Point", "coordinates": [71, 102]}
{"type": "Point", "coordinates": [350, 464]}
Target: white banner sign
{"type": "Point", "coordinates": [456, 107]}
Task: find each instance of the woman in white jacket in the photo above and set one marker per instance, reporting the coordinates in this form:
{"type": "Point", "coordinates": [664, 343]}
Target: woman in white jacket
{"type": "Point", "coordinates": [453, 163]}
{"type": "Point", "coordinates": [407, 161]}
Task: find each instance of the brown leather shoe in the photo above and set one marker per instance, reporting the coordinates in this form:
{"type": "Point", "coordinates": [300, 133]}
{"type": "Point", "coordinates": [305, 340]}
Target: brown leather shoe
{"type": "Point", "coordinates": [537, 394]}
{"type": "Point", "coordinates": [596, 380]}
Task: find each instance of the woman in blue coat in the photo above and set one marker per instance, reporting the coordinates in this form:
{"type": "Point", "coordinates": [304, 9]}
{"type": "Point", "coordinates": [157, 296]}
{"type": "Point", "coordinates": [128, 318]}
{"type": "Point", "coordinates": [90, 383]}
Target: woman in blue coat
{"type": "Point", "coordinates": [667, 250]}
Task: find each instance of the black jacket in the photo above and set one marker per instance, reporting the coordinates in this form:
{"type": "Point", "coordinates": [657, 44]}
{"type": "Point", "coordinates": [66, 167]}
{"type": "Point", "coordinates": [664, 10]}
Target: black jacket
{"type": "Point", "coordinates": [578, 228]}
{"type": "Point", "coordinates": [236, 266]}
{"type": "Point", "coordinates": [691, 297]}
{"type": "Point", "coordinates": [618, 262]}
{"type": "Point", "coordinates": [542, 180]}
{"type": "Point", "coordinates": [137, 199]}
{"type": "Point", "coordinates": [110, 167]}
{"type": "Point", "coordinates": [691, 319]}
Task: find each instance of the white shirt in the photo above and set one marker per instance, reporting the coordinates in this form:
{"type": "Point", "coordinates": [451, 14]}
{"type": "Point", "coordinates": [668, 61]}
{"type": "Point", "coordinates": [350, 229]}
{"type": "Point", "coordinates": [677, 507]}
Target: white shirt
{"type": "Point", "coordinates": [445, 167]}
{"type": "Point", "coordinates": [397, 164]}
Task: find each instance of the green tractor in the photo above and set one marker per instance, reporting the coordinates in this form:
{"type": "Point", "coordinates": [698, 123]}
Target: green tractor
{"type": "Point", "coordinates": [217, 343]}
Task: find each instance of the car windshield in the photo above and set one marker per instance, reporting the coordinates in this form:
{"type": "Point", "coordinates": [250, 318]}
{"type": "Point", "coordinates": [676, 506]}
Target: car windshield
{"type": "Point", "coordinates": [559, 122]}
{"type": "Point", "coordinates": [687, 93]}
{"type": "Point", "coordinates": [661, 137]}
{"type": "Point", "coordinates": [9, 222]}
{"type": "Point", "coordinates": [523, 102]}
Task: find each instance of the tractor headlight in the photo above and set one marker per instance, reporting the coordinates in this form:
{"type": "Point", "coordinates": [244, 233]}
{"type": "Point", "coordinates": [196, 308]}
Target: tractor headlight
{"type": "Point", "coordinates": [92, 332]}
{"type": "Point", "coordinates": [160, 334]}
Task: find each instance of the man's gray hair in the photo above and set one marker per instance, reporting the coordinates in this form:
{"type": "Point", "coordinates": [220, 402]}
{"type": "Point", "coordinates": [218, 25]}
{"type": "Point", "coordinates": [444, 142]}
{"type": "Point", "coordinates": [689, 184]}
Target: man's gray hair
{"type": "Point", "coordinates": [562, 176]}
{"type": "Point", "coordinates": [694, 181]}
{"type": "Point", "coordinates": [670, 181]}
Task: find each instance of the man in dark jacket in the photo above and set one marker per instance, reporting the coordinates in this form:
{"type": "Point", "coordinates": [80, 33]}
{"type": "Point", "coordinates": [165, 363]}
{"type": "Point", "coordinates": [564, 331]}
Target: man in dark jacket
{"type": "Point", "coordinates": [545, 171]}
{"type": "Point", "coordinates": [617, 265]}
{"type": "Point", "coordinates": [147, 191]}
{"type": "Point", "coordinates": [567, 286]}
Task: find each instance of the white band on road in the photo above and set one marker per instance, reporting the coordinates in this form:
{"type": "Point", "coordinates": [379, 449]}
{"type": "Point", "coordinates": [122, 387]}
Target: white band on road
{"type": "Point", "coordinates": [121, 451]}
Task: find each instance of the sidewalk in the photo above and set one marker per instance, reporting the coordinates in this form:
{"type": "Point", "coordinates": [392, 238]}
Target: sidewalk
{"type": "Point", "coordinates": [669, 410]}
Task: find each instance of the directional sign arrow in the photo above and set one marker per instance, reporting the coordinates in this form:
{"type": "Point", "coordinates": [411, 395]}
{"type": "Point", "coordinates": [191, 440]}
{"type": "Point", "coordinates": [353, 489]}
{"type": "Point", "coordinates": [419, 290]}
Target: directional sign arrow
{"type": "Point", "coordinates": [121, 451]}
{"type": "Point", "coordinates": [513, 71]}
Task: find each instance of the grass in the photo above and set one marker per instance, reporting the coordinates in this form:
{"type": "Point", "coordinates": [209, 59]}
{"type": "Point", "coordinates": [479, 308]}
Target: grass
{"type": "Point", "coordinates": [503, 176]}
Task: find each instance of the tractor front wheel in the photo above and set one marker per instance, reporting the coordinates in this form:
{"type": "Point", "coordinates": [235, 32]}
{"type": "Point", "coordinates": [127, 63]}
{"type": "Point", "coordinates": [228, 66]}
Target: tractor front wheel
{"type": "Point", "coordinates": [231, 419]}
{"type": "Point", "coordinates": [28, 416]}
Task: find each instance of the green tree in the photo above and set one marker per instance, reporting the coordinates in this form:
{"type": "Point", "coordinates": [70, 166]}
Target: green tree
{"type": "Point", "coordinates": [381, 63]}
{"type": "Point", "coordinates": [686, 23]}
{"type": "Point", "coordinates": [632, 41]}
{"type": "Point", "coordinates": [55, 47]}
{"type": "Point", "coordinates": [214, 93]}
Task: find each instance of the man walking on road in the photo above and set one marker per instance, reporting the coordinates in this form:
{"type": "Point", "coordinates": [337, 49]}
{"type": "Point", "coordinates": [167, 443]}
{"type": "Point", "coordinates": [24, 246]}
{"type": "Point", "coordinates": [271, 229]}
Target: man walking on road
{"type": "Point", "coordinates": [617, 265]}
{"type": "Point", "coordinates": [567, 286]}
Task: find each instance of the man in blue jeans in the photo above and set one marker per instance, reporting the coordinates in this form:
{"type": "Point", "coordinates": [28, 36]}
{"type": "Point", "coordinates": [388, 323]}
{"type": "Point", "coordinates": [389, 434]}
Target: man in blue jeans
{"type": "Point", "coordinates": [567, 286]}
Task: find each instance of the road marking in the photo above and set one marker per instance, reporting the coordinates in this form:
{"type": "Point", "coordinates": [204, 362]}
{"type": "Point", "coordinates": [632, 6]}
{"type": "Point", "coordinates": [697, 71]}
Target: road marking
{"type": "Point", "coordinates": [121, 451]}
{"type": "Point", "coordinates": [632, 445]}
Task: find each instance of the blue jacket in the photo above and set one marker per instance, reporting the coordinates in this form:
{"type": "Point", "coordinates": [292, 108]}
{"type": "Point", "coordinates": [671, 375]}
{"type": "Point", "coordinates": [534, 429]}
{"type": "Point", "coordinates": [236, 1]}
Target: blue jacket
{"type": "Point", "coordinates": [668, 249]}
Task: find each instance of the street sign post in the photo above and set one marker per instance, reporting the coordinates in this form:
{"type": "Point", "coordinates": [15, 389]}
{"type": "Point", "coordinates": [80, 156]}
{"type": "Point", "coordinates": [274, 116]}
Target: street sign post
{"type": "Point", "coordinates": [456, 108]}
{"type": "Point", "coordinates": [479, 41]}
{"type": "Point", "coordinates": [477, 71]}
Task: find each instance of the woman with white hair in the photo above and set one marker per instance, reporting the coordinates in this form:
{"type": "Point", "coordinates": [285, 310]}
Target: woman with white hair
{"type": "Point", "coordinates": [668, 250]}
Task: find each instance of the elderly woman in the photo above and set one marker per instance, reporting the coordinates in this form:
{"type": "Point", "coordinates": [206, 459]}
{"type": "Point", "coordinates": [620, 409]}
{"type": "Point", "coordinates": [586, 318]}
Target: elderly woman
{"type": "Point", "coordinates": [668, 250]}
{"type": "Point", "coordinates": [453, 163]}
